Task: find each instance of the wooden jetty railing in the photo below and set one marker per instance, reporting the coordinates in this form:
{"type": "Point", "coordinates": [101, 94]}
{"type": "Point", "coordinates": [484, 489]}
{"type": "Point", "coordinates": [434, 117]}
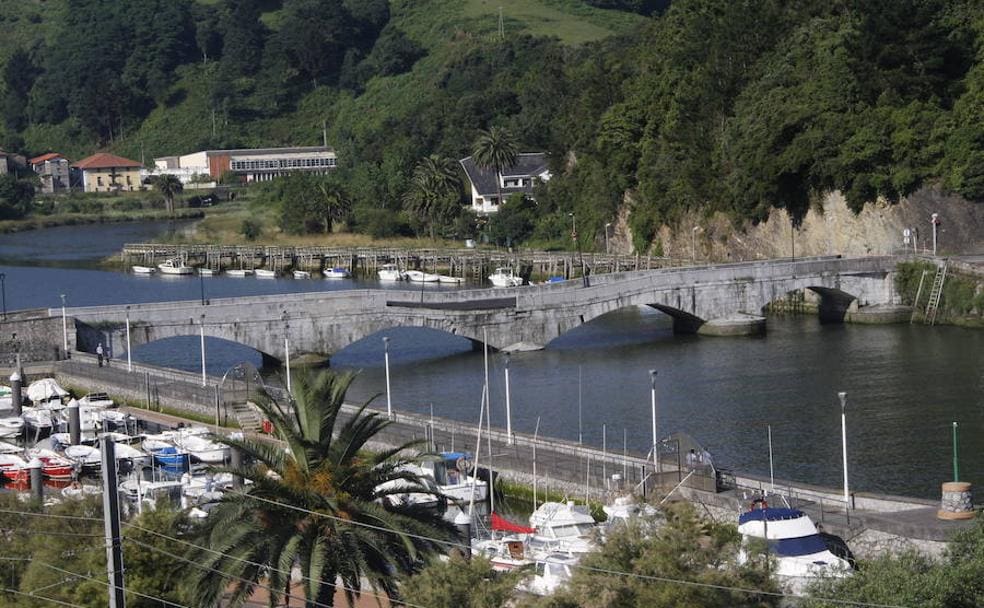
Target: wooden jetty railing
{"type": "Point", "coordinates": [470, 264]}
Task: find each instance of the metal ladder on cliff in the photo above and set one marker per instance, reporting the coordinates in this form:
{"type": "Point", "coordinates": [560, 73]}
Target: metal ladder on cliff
{"type": "Point", "coordinates": [935, 294]}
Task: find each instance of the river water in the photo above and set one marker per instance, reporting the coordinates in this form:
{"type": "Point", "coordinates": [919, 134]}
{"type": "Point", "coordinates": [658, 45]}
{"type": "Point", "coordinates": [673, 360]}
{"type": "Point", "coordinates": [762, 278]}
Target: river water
{"type": "Point", "coordinates": [905, 384]}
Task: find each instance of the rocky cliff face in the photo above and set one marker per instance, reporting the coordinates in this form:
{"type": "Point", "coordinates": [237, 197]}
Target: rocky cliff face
{"type": "Point", "coordinates": [831, 228]}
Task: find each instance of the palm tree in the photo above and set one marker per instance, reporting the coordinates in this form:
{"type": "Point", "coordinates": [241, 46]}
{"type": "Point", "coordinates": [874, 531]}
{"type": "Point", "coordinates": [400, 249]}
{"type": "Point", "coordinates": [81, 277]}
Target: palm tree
{"type": "Point", "coordinates": [169, 186]}
{"type": "Point", "coordinates": [496, 149]}
{"type": "Point", "coordinates": [435, 190]}
{"type": "Point", "coordinates": [317, 504]}
{"type": "Point", "coordinates": [332, 202]}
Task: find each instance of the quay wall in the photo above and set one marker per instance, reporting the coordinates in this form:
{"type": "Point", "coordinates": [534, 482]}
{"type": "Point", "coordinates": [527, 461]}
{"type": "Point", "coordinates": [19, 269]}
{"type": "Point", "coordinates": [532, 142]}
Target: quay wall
{"type": "Point", "coordinates": [33, 337]}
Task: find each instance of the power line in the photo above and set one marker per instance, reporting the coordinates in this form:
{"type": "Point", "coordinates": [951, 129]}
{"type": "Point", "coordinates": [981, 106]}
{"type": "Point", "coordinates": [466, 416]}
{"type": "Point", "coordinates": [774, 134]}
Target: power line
{"type": "Point", "coordinates": [43, 533]}
{"type": "Point", "coordinates": [251, 563]}
{"type": "Point", "coordinates": [39, 597]}
{"type": "Point", "coordinates": [224, 574]}
{"type": "Point", "coordinates": [90, 578]}
{"type": "Point", "coordinates": [32, 514]}
{"type": "Point", "coordinates": [589, 568]}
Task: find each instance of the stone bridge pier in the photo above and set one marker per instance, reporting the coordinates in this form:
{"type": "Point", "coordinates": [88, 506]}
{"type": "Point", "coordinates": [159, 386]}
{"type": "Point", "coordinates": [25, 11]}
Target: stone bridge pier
{"type": "Point", "coordinates": [518, 318]}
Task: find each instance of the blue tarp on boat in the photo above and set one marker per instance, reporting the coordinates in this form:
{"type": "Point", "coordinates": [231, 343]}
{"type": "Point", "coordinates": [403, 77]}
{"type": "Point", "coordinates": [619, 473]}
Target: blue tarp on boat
{"type": "Point", "coordinates": [769, 514]}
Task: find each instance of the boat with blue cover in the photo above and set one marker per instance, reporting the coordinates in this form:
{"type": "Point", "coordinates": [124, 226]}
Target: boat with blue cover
{"type": "Point", "coordinates": [800, 551]}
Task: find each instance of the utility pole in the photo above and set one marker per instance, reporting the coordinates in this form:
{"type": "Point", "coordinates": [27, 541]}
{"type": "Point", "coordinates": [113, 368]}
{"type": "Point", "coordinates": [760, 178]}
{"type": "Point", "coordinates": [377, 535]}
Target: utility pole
{"type": "Point", "coordinates": [111, 521]}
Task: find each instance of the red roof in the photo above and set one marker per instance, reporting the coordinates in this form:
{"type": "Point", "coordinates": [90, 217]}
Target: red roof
{"type": "Point", "coordinates": [104, 160]}
{"type": "Point", "coordinates": [44, 157]}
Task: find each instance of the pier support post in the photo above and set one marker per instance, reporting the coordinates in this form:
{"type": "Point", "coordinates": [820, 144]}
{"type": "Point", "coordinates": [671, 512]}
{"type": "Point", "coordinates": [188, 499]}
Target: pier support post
{"type": "Point", "coordinates": [462, 524]}
{"type": "Point", "coordinates": [111, 523]}
{"type": "Point", "coordinates": [37, 484]}
{"type": "Point", "coordinates": [74, 423]}
{"type": "Point", "coordinates": [16, 398]}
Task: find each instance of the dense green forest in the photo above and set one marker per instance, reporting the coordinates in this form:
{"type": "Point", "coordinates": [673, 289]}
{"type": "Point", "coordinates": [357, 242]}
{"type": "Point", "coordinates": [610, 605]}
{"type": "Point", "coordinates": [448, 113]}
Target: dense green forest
{"type": "Point", "coordinates": [707, 105]}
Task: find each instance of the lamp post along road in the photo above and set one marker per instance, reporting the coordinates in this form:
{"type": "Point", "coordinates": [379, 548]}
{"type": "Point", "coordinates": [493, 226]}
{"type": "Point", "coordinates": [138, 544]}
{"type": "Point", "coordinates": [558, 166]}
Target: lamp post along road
{"type": "Point", "coordinates": [607, 249]}
{"type": "Point", "coordinates": [286, 319]}
{"type": "Point", "coordinates": [3, 293]}
{"type": "Point", "coordinates": [652, 383]}
{"type": "Point", "coordinates": [64, 326]}
{"type": "Point", "coordinates": [386, 360]}
{"type": "Point", "coordinates": [843, 401]}
{"type": "Point", "coordinates": [772, 477]}
{"type": "Point", "coordinates": [129, 361]}
{"type": "Point", "coordinates": [935, 221]}
{"type": "Point", "coordinates": [509, 432]}
{"type": "Point", "coordinates": [204, 377]}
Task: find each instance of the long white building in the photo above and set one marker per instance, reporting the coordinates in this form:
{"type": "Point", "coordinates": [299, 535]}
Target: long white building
{"type": "Point", "coordinates": [251, 165]}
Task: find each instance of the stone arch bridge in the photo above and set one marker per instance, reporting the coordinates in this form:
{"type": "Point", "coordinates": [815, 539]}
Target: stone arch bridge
{"type": "Point", "coordinates": [526, 317]}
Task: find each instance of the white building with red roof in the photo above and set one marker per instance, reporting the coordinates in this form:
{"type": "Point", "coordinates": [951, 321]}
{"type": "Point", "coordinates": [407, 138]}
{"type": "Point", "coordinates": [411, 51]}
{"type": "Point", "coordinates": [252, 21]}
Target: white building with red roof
{"type": "Point", "coordinates": [104, 172]}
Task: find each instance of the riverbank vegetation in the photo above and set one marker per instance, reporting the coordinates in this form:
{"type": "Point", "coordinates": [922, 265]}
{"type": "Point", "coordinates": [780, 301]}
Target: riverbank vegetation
{"type": "Point", "coordinates": [654, 108]}
{"type": "Point", "coordinates": [962, 300]}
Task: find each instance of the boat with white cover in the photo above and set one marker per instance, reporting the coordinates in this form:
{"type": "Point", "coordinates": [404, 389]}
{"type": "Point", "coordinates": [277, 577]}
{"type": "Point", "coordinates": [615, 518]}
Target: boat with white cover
{"type": "Point", "coordinates": [207, 272]}
{"type": "Point", "coordinates": [451, 472]}
{"type": "Point", "coordinates": [46, 391]}
{"type": "Point", "coordinates": [301, 274]}
{"type": "Point", "coordinates": [39, 419]}
{"type": "Point", "coordinates": [563, 527]}
{"type": "Point", "coordinates": [88, 458]}
{"type": "Point", "coordinates": [202, 449]}
{"type": "Point", "coordinates": [239, 272]}
{"type": "Point", "coordinates": [78, 491]}
{"type": "Point", "coordinates": [96, 400]}
{"type": "Point", "coordinates": [336, 273]}
{"type": "Point", "coordinates": [801, 553]}
{"type": "Point", "coordinates": [143, 269]}
{"type": "Point", "coordinates": [449, 280]}
{"type": "Point", "coordinates": [505, 277]}
{"type": "Point", "coordinates": [265, 273]}
{"type": "Point", "coordinates": [11, 426]}
{"type": "Point", "coordinates": [417, 276]}
{"type": "Point", "coordinates": [390, 272]}
{"type": "Point", "coordinates": [552, 571]}
{"type": "Point", "coordinates": [175, 266]}
{"type": "Point", "coordinates": [13, 467]}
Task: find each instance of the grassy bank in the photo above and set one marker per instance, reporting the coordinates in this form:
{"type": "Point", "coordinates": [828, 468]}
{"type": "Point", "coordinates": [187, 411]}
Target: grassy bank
{"type": "Point", "coordinates": [75, 219]}
{"type": "Point", "coordinates": [962, 301]}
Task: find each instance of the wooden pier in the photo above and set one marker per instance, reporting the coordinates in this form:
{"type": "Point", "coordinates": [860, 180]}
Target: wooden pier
{"type": "Point", "coordinates": [469, 264]}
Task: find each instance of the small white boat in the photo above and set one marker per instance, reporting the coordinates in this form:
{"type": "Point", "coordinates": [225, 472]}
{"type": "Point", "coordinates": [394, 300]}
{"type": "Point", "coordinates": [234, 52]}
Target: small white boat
{"type": "Point", "coordinates": [13, 467]}
{"type": "Point", "coordinates": [552, 571]}
{"type": "Point", "coordinates": [239, 272]}
{"type": "Point", "coordinates": [78, 491]}
{"type": "Point", "coordinates": [505, 277]}
{"type": "Point", "coordinates": [336, 273]}
{"type": "Point", "coordinates": [302, 274]}
{"type": "Point", "coordinates": [175, 266]}
{"type": "Point", "coordinates": [45, 390]}
{"type": "Point", "coordinates": [417, 276]}
{"type": "Point", "coordinates": [265, 273]}
{"type": "Point", "coordinates": [563, 527]}
{"type": "Point", "coordinates": [88, 458]}
{"type": "Point", "coordinates": [207, 272]}
{"type": "Point", "coordinates": [203, 449]}
{"type": "Point", "coordinates": [143, 269]}
{"type": "Point", "coordinates": [96, 401]}
{"type": "Point", "coordinates": [450, 280]}
{"type": "Point", "coordinates": [9, 448]}
{"type": "Point", "coordinates": [37, 418]}
{"type": "Point", "coordinates": [390, 272]}
{"type": "Point", "coordinates": [11, 426]}
{"type": "Point", "coordinates": [128, 452]}
{"type": "Point", "coordinates": [801, 553]}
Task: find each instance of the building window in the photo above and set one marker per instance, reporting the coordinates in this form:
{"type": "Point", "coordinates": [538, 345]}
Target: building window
{"type": "Point", "coordinates": [129, 182]}
{"type": "Point", "coordinates": [99, 180]}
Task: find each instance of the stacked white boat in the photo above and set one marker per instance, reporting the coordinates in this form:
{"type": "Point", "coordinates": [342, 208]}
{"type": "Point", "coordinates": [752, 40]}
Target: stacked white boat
{"type": "Point", "coordinates": [505, 277]}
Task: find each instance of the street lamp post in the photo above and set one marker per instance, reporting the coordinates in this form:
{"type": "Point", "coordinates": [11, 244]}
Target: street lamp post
{"type": "Point", "coordinates": [935, 220]}
{"type": "Point", "coordinates": [129, 361]}
{"type": "Point", "coordinates": [202, 326]}
{"type": "Point", "coordinates": [64, 327]}
{"type": "Point", "coordinates": [843, 401]}
{"type": "Point", "coordinates": [3, 293]}
{"type": "Point", "coordinates": [652, 384]}
{"type": "Point", "coordinates": [772, 476]}
{"type": "Point", "coordinates": [509, 432]}
{"type": "Point", "coordinates": [286, 319]}
{"type": "Point", "coordinates": [386, 359]}
{"type": "Point", "coordinates": [607, 249]}
{"type": "Point", "coordinates": [577, 244]}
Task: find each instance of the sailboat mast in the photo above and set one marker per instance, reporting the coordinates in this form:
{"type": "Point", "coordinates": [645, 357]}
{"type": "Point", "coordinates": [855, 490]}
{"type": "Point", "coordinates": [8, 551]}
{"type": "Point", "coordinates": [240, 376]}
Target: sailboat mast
{"type": "Point", "coordinates": [488, 417]}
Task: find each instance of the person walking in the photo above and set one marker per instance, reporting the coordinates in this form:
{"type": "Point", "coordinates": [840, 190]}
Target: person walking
{"type": "Point", "coordinates": [99, 354]}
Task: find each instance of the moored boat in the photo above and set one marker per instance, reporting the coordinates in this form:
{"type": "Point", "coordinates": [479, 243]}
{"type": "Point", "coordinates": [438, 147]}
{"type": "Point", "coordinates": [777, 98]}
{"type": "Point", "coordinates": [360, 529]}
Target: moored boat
{"type": "Point", "coordinates": [336, 273]}
{"type": "Point", "coordinates": [301, 274]}
{"type": "Point", "coordinates": [11, 426]}
{"type": "Point", "coordinates": [801, 553]}
{"type": "Point", "coordinates": [505, 277]}
{"type": "Point", "coordinates": [266, 273]}
{"type": "Point", "coordinates": [85, 457]}
{"type": "Point", "coordinates": [175, 266]}
{"type": "Point", "coordinates": [564, 527]}
{"type": "Point", "coordinates": [14, 468]}
{"type": "Point", "coordinates": [239, 272]}
{"type": "Point", "coordinates": [417, 276]}
{"type": "Point", "coordinates": [207, 272]}
{"type": "Point", "coordinates": [143, 269]}
{"type": "Point", "coordinates": [390, 272]}
{"type": "Point", "coordinates": [450, 280]}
